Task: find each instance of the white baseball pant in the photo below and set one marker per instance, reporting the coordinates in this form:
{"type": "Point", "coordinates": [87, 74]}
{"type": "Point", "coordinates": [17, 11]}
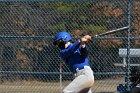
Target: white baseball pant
{"type": "Point", "coordinates": [82, 83]}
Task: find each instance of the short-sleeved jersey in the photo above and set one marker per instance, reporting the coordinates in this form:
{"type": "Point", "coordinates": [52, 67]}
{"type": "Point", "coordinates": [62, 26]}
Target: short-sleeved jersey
{"type": "Point", "coordinates": [74, 57]}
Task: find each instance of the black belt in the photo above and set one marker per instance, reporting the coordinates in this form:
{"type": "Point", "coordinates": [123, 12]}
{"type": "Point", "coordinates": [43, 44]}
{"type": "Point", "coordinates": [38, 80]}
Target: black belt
{"type": "Point", "coordinates": [80, 68]}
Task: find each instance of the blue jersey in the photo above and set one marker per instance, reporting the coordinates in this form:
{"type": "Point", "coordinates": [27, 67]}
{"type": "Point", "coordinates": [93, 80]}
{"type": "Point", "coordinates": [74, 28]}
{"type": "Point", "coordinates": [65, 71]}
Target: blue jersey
{"type": "Point", "coordinates": [75, 56]}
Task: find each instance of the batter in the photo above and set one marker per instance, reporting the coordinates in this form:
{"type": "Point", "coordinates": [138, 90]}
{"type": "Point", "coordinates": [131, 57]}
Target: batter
{"type": "Point", "coordinates": [76, 56]}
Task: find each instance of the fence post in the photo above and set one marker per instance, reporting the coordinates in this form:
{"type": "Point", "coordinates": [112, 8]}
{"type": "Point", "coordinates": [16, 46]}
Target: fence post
{"type": "Point", "coordinates": [60, 69]}
{"type": "Point", "coordinates": [128, 46]}
{"type": "Point", "coordinates": [0, 63]}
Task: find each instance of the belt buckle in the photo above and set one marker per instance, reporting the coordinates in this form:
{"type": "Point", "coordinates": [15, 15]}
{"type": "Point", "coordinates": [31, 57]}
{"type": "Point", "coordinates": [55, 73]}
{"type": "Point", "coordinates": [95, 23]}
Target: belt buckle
{"type": "Point", "coordinates": [77, 69]}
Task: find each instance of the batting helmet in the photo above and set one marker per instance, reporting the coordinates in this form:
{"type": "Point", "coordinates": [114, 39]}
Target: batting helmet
{"type": "Point", "coordinates": [62, 37]}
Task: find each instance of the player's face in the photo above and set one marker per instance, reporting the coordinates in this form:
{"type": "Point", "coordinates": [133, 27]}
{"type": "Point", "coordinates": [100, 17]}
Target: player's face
{"type": "Point", "coordinates": [60, 44]}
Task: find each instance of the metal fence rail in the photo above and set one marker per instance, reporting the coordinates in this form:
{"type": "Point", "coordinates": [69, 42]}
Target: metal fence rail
{"type": "Point", "coordinates": [29, 63]}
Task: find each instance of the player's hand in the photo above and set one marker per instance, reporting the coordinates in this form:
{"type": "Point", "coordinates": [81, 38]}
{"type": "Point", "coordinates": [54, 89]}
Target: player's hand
{"type": "Point", "coordinates": [88, 37]}
{"type": "Point", "coordinates": [85, 39]}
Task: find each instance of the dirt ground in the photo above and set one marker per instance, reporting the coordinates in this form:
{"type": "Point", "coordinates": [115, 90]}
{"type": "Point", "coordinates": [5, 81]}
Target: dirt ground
{"type": "Point", "coordinates": [100, 86]}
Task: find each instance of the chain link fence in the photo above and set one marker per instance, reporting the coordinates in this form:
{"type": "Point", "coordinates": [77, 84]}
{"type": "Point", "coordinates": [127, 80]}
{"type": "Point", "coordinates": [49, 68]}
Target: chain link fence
{"type": "Point", "coordinates": [29, 63]}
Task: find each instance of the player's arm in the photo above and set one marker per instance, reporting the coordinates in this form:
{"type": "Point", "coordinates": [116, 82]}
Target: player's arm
{"type": "Point", "coordinates": [69, 51]}
{"type": "Point", "coordinates": [84, 39]}
{"type": "Point", "coordinates": [84, 51]}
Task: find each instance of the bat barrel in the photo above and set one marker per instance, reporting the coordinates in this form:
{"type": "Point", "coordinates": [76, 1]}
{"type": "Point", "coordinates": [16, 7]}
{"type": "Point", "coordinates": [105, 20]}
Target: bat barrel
{"type": "Point", "coordinates": [112, 31]}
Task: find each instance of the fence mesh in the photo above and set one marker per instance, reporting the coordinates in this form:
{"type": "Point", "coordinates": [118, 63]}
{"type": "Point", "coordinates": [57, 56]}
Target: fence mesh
{"type": "Point", "coordinates": [29, 63]}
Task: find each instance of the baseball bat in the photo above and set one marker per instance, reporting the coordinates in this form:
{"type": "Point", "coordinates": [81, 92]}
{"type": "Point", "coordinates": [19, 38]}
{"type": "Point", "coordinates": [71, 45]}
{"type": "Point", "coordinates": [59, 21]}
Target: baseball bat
{"type": "Point", "coordinates": [112, 31]}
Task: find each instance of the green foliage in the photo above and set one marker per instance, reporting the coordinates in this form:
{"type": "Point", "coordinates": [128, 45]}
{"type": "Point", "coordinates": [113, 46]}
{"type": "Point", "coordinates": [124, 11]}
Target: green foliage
{"type": "Point", "coordinates": [94, 29]}
{"type": "Point", "coordinates": [66, 7]}
{"type": "Point", "coordinates": [58, 27]}
{"type": "Point", "coordinates": [75, 20]}
{"type": "Point", "coordinates": [61, 6]}
{"type": "Point", "coordinates": [83, 18]}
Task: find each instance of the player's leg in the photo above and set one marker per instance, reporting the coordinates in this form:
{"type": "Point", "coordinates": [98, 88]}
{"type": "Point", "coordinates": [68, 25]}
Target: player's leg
{"type": "Point", "coordinates": [82, 83]}
{"type": "Point", "coordinates": [78, 85]}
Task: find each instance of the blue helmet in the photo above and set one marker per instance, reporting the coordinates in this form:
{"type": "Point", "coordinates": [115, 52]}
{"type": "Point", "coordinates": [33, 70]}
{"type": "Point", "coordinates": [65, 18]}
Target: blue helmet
{"type": "Point", "coordinates": [63, 37]}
